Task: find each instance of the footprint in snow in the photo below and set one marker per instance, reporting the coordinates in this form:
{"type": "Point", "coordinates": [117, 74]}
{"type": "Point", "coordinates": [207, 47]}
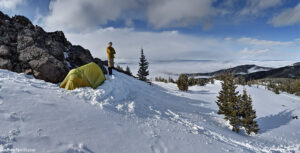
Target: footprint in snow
{"type": "Point", "coordinates": [159, 146]}
{"type": "Point", "coordinates": [39, 132]}
{"type": "Point", "coordinates": [79, 148]}
{"type": "Point", "coordinates": [14, 117]}
{"type": "Point", "coordinates": [6, 142]}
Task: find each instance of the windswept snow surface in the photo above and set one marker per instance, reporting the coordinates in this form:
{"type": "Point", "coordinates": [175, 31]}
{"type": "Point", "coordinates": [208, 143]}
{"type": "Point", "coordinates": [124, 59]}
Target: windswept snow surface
{"type": "Point", "coordinates": [127, 115]}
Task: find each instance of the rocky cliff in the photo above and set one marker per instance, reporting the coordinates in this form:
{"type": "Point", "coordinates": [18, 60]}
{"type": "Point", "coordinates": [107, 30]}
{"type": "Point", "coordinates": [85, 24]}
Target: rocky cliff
{"type": "Point", "coordinates": [46, 55]}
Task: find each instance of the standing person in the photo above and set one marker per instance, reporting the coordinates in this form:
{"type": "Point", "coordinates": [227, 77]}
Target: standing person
{"type": "Point", "coordinates": [110, 57]}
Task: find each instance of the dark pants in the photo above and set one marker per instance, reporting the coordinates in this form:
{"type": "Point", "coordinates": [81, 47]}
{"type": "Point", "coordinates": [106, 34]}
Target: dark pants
{"type": "Point", "coordinates": [110, 70]}
{"type": "Point", "coordinates": [110, 63]}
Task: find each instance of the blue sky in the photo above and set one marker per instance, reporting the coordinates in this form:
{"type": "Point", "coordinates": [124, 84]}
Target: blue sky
{"type": "Point", "coordinates": [173, 29]}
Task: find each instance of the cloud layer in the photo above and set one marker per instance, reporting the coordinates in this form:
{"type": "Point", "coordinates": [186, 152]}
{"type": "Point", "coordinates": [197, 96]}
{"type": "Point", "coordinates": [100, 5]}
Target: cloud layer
{"type": "Point", "coordinates": [290, 16]}
{"type": "Point", "coordinates": [178, 13]}
{"type": "Point", "coordinates": [10, 4]}
{"type": "Point", "coordinates": [86, 23]}
{"type": "Point", "coordinates": [170, 45]}
{"type": "Point", "coordinates": [90, 14]}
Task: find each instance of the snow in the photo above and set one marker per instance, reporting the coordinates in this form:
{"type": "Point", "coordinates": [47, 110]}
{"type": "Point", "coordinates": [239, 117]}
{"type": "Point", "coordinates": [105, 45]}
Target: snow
{"type": "Point", "coordinates": [66, 55]}
{"type": "Point", "coordinates": [127, 115]}
{"type": "Point", "coordinates": [256, 69]}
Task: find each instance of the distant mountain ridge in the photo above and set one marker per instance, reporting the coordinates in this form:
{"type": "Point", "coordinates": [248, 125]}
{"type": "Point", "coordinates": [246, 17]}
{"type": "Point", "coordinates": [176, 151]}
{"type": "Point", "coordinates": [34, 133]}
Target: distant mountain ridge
{"type": "Point", "coordinates": [238, 70]}
{"type": "Point", "coordinates": [254, 72]}
{"type": "Point", "coordinates": [291, 71]}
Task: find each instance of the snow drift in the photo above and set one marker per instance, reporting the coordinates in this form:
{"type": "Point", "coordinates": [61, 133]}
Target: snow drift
{"type": "Point", "coordinates": [127, 115]}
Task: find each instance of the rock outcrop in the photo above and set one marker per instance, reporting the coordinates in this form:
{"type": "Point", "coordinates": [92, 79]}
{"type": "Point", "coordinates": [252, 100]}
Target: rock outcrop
{"type": "Point", "coordinates": [46, 55]}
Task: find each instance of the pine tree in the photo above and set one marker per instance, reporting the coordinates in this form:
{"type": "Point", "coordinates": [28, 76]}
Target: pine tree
{"type": "Point", "coordinates": [229, 101]}
{"type": "Point", "coordinates": [128, 71]}
{"type": "Point", "coordinates": [171, 80]}
{"type": "Point", "coordinates": [222, 101]}
{"type": "Point", "coordinates": [183, 82]}
{"type": "Point", "coordinates": [248, 114]}
{"type": "Point", "coordinates": [297, 86]}
{"type": "Point", "coordinates": [143, 70]}
{"type": "Point", "coordinates": [234, 103]}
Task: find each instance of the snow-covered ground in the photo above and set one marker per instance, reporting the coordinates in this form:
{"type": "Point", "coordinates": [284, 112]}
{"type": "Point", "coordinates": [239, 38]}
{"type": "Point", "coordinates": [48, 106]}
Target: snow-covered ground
{"type": "Point", "coordinates": [127, 115]}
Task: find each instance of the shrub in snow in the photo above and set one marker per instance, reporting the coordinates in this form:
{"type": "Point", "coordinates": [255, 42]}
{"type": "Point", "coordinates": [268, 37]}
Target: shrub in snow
{"type": "Point", "coordinates": [183, 82]}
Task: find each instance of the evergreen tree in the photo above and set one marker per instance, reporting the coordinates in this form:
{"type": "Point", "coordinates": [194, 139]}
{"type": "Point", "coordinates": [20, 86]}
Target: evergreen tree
{"type": "Point", "coordinates": [234, 103]}
{"type": "Point", "coordinates": [143, 70]}
{"type": "Point", "coordinates": [248, 114]}
{"type": "Point", "coordinates": [171, 80]}
{"type": "Point", "coordinates": [183, 82]}
{"type": "Point", "coordinates": [222, 101]}
{"type": "Point", "coordinates": [128, 71]}
{"type": "Point", "coordinates": [288, 87]}
{"type": "Point", "coordinates": [192, 81]}
{"type": "Point", "coordinates": [119, 68]}
{"type": "Point", "coordinates": [297, 86]}
{"type": "Point", "coordinates": [229, 101]}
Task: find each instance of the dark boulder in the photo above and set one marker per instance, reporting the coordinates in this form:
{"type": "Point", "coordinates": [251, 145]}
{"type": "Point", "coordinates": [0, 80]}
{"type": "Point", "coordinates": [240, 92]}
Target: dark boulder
{"type": "Point", "coordinates": [25, 48]}
{"type": "Point", "coordinates": [99, 62]}
{"type": "Point", "coordinates": [5, 64]}
{"type": "Point", "coordinates": [4, 51]}
{"type": "Point", "coordinates": [78, 56]}
{"type": "Point", "coordinates": [48, 68]}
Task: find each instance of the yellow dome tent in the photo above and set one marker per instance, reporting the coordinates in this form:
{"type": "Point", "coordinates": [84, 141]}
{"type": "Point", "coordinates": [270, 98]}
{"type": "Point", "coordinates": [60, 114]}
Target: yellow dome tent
{"type": "Point", "coordinates": [89, 75]}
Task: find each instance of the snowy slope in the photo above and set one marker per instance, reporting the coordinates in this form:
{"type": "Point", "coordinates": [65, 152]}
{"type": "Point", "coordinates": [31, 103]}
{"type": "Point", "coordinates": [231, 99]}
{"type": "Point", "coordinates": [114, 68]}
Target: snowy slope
{"type": "Point", "coordinates": [127, 115]}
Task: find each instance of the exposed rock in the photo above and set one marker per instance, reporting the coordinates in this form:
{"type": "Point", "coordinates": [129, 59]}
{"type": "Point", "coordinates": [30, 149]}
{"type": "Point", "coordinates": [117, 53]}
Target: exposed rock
{"type": "Point", "coordinates": [79, 56]}
{"type": "Point", "coordinates": [5, 64]}
{"type": "Point", "coordinates": [100, 63]}
{"type": "Point", "coordinates": [49, 69]}
{"type": "Point", "coordinates": [4, 51]}
{"type": "Point", "coordinates": [29, 49]}
{"type": "Point", "coordinates": [28, 71]}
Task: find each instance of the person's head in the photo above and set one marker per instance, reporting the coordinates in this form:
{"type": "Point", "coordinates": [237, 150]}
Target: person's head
{"type": "Point", "coordinates": [110, 44]}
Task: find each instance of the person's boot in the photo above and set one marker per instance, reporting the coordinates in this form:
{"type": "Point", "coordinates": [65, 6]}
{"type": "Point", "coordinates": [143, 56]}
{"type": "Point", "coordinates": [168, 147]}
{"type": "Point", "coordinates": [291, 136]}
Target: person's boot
{"type": "Point", "coordinates": [110, 71]}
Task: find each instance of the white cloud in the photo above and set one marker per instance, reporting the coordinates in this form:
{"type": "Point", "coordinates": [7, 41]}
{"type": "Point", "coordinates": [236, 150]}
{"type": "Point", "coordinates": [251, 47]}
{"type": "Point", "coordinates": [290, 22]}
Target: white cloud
{"type": "Point", "coordinates": [179, 13]}
{"type": "Point", "coordinates": [246, 51]}
{"type": "Point", "coordinates": [259, 42]}
{"type": "Point", "coordinates": [90, 14]}
{"type": "Point", "coordinates": [78, 15]}
{"type": "Point", "coordinates": [157, 45]}
{"type": "Point", "coordinates": [288, 17]}
{"type": "Point", "coordinates": [170, 45]}
{"type": "Point", "coordinates": [81, 21]}
{"type": "Point", "coordinates": [10, 4]}
{"type": "Point", "coordinates": [228, 38]}
{"type": "Point", "coordinates": [256, 7]}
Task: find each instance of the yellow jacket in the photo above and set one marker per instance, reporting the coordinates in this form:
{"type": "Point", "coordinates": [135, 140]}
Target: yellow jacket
{"type": "Point", "coordinates": [110, 52]}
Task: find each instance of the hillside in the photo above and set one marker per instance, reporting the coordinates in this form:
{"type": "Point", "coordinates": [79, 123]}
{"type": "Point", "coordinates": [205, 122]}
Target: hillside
{"type": "Point", "coordinates": [238, 70]}
{"type": "Point", "coordinates": [127, 115]}
{"type": "Point", "coordinates": [291, 71]}
{"type": "Point", "coordinates": [257, 72]}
